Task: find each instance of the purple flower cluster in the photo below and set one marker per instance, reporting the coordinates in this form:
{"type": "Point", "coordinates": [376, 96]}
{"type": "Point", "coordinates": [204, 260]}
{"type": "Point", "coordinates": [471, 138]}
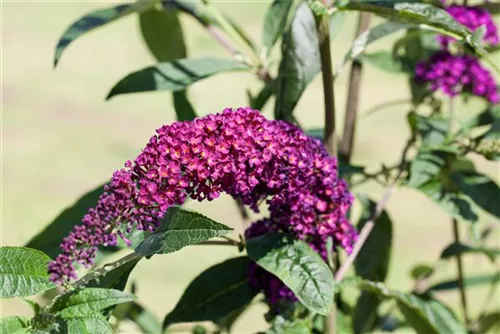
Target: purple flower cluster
{"type": "Point", "coordinates": [454, 74]}
{"type": "Point", "coordinates": [473, 18]}
{"type": "Point", "coordinates": [238, 152]}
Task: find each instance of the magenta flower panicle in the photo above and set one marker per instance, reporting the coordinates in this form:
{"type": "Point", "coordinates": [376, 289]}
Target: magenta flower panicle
{"type": "Point", "coordinates": [238, 152]}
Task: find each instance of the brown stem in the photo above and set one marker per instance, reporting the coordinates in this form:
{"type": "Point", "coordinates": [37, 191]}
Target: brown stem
{"type": "Point", "coordinates": [329, 139]}
{"type": "Point", "coordinates": [353, 96]}
{"type": "Point", "coordinates": [461, 285]}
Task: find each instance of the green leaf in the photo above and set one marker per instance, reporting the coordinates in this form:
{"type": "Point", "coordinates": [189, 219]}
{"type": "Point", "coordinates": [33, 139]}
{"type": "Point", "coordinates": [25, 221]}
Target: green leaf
{"type": "Point", "coordinates": [275, 23]}
{"type": "Point", "coordinates": [261, 99]}
{"type": "Point", "coordinates": [489, 116]}
{"type": "Point", "coordinates": [366, 38]}
{"type": "Point", "coordinates": [455, 204]}
{"type": "Point", "coordinates": [298, 266]}
{"type": "Point", "coordinates": [382, 60]}
{"type": "Point", "coordinates": [426, 166]}
{"type": "Point", "coordinates": [144, 319]}
{"type": "Point", "coordinates": [492, 7]}
{"type": "Point", "coordinates": [163, 35]}
{"type": "Point", "coordinates": [87, 302]}
{"type": "Point", "coordinates": [49, 239]}
{"type": "Point", "coordinates": [426, 316]}
{"type": "Point", "coordinates": [14, 325]}
{"type": "Point", "coordinates": [173, 76]}
{"type": "Point", "coordinates": [215, 293]}
{"type": "Point", "coordinates": [180, 228]}
{"type": "Point", "coordinates": [114, 279]}
{"type": "Point", "coordinates": [468, 282]}
{"type": "Point", "coordinates": [300, 62]}
{"type": "Point", "coordinates": [93, 324]}
{"type": "Point", "coordinates": [372, 263]}
{"type": "Point", "coordinates": [421, 271]}
{"type": "Point", "coordinates": [457, 248]}
{"type": "Point", "coordinates": [94, 20]}
{"type": "Point", "coordinates": [284, 326]}
{"type": "Point", "coordinates": [23, 272]}
{"type": "Point", "coordinates": [432, 130]}
{"type": "Point", "coordinates": [480, 188]}
{"type": "Point", "coordinates": [424, 15]}
{"type": "Point", "coordinates": [225, 324]}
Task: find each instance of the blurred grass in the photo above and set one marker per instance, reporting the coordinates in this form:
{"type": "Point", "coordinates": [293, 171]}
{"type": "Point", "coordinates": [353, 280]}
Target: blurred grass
{"type": "Point", "coordinates": [61, 139]}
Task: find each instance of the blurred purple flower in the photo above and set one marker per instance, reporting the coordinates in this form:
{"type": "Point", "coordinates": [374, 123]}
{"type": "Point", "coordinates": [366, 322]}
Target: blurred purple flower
{"type": "Point", "coordinates": [238, 152]}
{"type": "Point", "coordinates": [455, 74]}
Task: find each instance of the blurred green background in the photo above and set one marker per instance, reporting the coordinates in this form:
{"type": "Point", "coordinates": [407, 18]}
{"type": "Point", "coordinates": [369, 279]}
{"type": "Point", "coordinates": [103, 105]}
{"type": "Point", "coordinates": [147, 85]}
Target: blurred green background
{"type": "Point", "coordinates": [61, 139]}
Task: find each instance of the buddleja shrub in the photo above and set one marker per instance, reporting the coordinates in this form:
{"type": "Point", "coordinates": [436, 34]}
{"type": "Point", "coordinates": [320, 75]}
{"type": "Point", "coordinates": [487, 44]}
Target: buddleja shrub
{"type": "Point", "coordinates": [294, 259]}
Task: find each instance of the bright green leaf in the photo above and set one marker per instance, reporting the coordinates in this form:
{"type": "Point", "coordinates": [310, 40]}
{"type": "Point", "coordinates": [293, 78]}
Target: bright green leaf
{"type": "Point", "coordinates": [23, 272]}
{"type": "Point", "coordinates": [115, 278]}
{"type": "Point", "coordinates": [421, 271]}
{"type": "Point", "coordinates": [425, 167]}
{"type": "Point", "coordinates": [275, 23]}
{"type": "Point", "coordinates": [14, 325]}
{"type": "Point", "coordinates": [180, 228]}
{"type": "Point", "coordinates": [215, 293]}
{"type": "Point", "coordinates": [173, 76]}
{"type": "Point", "coordinates": [426, 316]}
{"type": "Point", "coordinates": [488, 322]}
{"type": "Point", "coordinates": [298, 266]}
{"type": "Point", "coordinates": [183, 108]}
{"type": "Point", "coordinates": [93, 324]}
{"type": "Point", "coordinates": [95, 20]}
{"type": "Point", "coordinates": [87, 302]}
{"type": "Point", "coordinates": [300, 62]}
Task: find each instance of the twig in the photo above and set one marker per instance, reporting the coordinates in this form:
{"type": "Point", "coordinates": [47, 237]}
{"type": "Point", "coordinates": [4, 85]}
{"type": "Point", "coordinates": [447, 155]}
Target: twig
{"type": "Point", "coordinates": [323, 28]}
{"type": "Point", "coordinates": [461, 285]}
{"type": "Point", "coordinates": [353, 96]}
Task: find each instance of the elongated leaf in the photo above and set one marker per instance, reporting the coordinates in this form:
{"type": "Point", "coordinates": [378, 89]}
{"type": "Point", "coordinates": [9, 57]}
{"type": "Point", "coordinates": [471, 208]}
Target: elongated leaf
{"type": "Point", "coordinates": [180, 228]}
{"type": "Point", "coordinates": [173, 76]}
{"type": "Point", "coordinates": [300, 62]}
{"type": "Point", "coordinates": [23, 272]}
{"type": "Point", "coordinates": [96, 19]}
{"type": "Point", "coordinates": [258, 102]}
{"type": "Point", "coordinates": [481, 189]}
{"type": "Point", "coordinates": [458, 248]}
{"type": "Point", "coordinates": [49, 239]}
{"type": "Point", "coordinates": [426, 316]}
{"type": "Point", "coordinates": [226, 323]}
{"type": "Point", "coordinates": [163, 35]}
{"type": "Point", "coordinates": [144, 319]}
{"type": "Point", "coordinates": [275, 23]}
{"type": "Point", "coordinates": [88, 302]}
{"type": "Point", "coordinates": [372, 263]}
{"type": "Point", "coordinates": [183, 108]}
{"type": "Point", "coordinates": [424, 15]}
{"type": "Point", "coordinates": [366, 38]}
{"type": "Point", "coordinates": [489, 116]}
{"type": "Point", "coordinates": [421, 271]}
{"type": "Point", "coordinates": [468, 282]}
{"type": "Point", "coordinates": [89, 325]}
{"type": "Point", "coordinates": [298, 266]}
{"type": "Point", "coordinates": [425, 167]}
{"type": "Point", "coordinates": [215, 293]}
{"type": "Point", "coordinates": [14, 325]}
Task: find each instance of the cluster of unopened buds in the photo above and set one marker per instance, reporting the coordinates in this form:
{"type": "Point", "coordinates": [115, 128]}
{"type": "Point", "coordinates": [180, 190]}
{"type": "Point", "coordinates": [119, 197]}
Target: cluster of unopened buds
{"type": "Point", "coordinates": [237, 152]}
{"type": "Point", "coordinates": [454, 74]}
